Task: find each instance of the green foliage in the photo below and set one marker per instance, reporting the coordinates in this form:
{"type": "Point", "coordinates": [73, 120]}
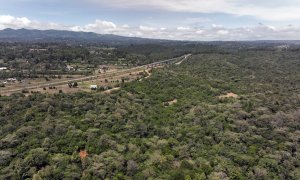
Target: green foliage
{"type": "Point", "coordinates": [132, 134]}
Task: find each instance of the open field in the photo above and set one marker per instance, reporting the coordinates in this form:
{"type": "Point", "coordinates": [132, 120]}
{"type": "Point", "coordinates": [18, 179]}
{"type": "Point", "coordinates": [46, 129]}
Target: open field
{"type": "Point", "coordinates": [84, 86]}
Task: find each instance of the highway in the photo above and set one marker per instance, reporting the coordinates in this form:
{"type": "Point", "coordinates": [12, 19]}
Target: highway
{"type": "Point", "coordinates": [106, 75]}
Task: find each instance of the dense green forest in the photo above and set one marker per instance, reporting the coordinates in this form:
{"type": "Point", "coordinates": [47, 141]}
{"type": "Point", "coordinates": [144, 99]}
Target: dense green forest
{"type": "Point", "coordinates": [173, 125]}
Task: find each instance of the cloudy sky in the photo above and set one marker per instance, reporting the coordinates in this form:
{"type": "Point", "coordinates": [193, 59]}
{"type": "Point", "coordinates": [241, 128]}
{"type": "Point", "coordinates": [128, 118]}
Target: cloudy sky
{"type": "Point", "coordinates": [166, 19]}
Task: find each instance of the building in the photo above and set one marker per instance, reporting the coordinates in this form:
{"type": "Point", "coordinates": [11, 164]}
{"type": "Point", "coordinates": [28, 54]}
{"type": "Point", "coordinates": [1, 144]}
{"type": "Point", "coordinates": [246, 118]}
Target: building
{"type": "Point", "coordinates": [3, 68]}
{"type": "Point", "coordinates": [11, 80]}
{"type": "Point", "coordinates": [94, 87]}
{"type": "Point", "coordinates": [69, 68]}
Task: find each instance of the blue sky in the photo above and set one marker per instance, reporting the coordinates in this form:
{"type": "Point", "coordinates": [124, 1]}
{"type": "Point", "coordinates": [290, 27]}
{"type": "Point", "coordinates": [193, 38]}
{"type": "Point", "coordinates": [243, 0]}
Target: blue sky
{"type": "Point", "coordinates": [167, 19]}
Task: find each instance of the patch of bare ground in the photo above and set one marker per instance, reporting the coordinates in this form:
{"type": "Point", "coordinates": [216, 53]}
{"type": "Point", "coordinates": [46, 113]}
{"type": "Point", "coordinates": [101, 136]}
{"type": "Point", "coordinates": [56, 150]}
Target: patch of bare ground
{"type": "Point", "coordinates": [169, 103]}
{"type": "Point", "coordinates": [111, 90]}
{"type": "Point", "coordinates": [82, 86]}
{"type": "Point", "coordinates": [178, 63]}
{"type": "Point", "coordinates": [83, 154]}
{"type": "Point", "coordinates": [148, 75]}
{"type": "Point", "coordinates": [228, 95]}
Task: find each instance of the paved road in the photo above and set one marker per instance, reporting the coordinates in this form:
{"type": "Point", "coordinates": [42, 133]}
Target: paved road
{"type": "Point", "coordinates": [106, 75]}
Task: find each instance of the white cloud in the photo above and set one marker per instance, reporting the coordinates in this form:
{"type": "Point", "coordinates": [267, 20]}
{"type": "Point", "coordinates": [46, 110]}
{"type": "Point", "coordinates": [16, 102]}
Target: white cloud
{"type": "Point", "coordinates": [8, 21]}
{"type": "Point", "coordinates": [200, 31]}
{"type": "Point", "coordinates": [217, 26]}
{"type": "Point", "coordinates": [274, 10]}
{"type": "Point", "coordinates": [183, 28]}
{"type": "Point", "coordinates": [214, 32]}
{"type": "Point", "coordinates": [147, 28]}
{"type": "Point", "coordinates": [223, 32]}
{"type": "Point", "coordinates": [105, 25]}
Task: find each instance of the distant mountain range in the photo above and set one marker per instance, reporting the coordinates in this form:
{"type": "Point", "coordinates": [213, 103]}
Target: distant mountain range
{"type": "Point", "coordinates": [27, 35]}
{"type": "Point", "coordinates": [33, 35]}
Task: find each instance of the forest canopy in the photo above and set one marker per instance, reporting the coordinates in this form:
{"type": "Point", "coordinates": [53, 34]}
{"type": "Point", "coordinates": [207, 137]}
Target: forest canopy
{"type": "Point", "coordinates": [177, 124]}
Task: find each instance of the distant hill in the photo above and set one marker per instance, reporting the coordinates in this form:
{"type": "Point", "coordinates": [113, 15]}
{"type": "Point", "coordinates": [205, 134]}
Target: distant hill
{"type": "Point", "coordinates": [26, 35]}
{"type": "Point", "coordinates": [33, 35]}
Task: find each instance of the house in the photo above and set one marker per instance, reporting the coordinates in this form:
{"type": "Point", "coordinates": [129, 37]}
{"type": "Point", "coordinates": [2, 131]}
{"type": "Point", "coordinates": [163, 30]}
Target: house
{"type": "Point", "coordinates": [94, 87]}
{"type": "Point", "coordinates": [283, 47]}
{"type": "Point", "coordinates": [11, 80]}
{"type": "Point", "coordinates": [69, 68]}
{"type": "Point", "coordinates": [103, 69]}
{"type": "Point", "coordinates": [3, 68]}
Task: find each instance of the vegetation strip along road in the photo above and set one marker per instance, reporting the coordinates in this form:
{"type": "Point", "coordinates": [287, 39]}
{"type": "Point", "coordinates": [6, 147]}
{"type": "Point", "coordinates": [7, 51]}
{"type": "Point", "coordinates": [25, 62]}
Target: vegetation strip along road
{"type": "Point", "coordinates": [107, 75]}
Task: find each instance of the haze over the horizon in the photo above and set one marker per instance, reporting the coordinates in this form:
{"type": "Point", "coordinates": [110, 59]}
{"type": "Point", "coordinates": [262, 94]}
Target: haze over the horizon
{"type": "Point", "coordinates": [166, 19]}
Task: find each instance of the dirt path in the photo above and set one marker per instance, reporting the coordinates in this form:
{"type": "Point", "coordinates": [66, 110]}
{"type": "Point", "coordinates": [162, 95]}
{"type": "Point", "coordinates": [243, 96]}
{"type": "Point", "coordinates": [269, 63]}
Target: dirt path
{"type": "Point", "coordinates": [228, 95]}
{"type": "Point", "coordinates": [111, 90]}
{"type": "Point", "coordinates": [185, 57]}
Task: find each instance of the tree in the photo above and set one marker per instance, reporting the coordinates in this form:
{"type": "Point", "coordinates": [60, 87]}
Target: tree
{"type": "Point", "coordinates": [75, 84]}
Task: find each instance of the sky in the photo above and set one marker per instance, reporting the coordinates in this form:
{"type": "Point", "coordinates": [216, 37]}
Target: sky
{"type": "Point", "coordinates": [196, 20]}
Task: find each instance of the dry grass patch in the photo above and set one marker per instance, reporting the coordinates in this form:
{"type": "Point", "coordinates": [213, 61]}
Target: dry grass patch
{"type": "Point", "coordinates": [169, 103]}
{"type": "Point", "coordinates": [83, 154]}
{"type": "Point", "coordinates": [228, 95]}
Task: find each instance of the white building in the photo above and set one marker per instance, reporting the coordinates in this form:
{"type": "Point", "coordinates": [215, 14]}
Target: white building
{"type": "Point", "coordinates": [94, 87]}
{"type": "Point", "coordinates": [11, 80]}
{"type": "Point", "coordinates": [69, 68]}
